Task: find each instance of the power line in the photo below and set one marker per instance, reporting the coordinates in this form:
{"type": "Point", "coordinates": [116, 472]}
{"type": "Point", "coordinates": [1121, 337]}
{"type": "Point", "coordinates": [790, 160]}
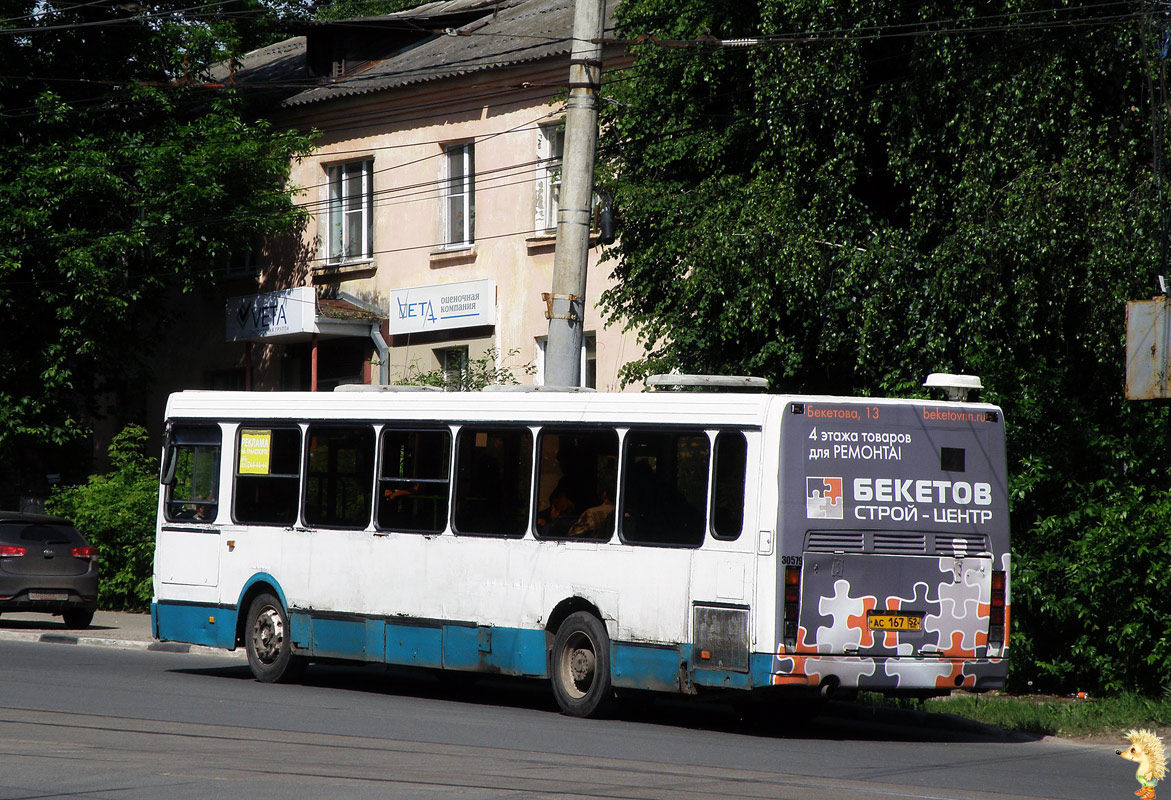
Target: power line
{"type": "Point", "coordinates": [404, 193]}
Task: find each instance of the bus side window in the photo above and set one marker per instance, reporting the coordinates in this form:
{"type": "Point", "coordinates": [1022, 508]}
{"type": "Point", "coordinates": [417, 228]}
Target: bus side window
{"type": "Point", "coordinates": [577, 476]}
{"type": "Point", "coordinates": [413, 481]}
{"type": "Point", "coordinates": [664, 488]}
{"type": "Point", "coordinates": [193, 493]}
{"type": "Point", "coordinates": [493, 481]}
{"type": "Point", "coordinates": [268, 475]}
{"type": "Point", "coordinates": [340, 476]}
{"type": "Point", "coordinates": [728, 476]}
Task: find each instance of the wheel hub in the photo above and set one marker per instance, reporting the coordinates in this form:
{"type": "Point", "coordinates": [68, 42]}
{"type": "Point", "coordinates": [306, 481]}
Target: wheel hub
{"type": "Point", "coordinates": [268, 635]}
{"type": "Point", "coordinates": [581, 665]}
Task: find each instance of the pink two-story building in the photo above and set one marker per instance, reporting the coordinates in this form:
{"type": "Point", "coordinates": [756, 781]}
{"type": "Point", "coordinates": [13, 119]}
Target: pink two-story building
{"type": "Point", "coordinates": [433, 200]}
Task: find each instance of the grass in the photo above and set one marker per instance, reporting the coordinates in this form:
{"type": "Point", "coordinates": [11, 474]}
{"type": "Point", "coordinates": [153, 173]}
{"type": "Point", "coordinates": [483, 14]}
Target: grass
{"type": "Point", "coordinates": [1046, 715]}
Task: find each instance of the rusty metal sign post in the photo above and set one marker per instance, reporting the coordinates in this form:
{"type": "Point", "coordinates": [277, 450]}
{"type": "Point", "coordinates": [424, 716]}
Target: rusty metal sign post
{"type": "Point", "coordinates": [1148, 349]}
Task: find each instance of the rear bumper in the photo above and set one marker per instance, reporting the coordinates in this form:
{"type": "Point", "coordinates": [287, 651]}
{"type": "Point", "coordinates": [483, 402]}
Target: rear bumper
{"type": "Point", "coordinates": [892, 674]}
{"type": "Point", "coordinates": [48, 592]}
{"type": "Point", "coordinates": [70, 601]}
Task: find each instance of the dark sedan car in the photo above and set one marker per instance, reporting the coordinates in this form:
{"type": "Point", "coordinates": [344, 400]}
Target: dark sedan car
{"type": "Point", "coordinates": [46, 565]}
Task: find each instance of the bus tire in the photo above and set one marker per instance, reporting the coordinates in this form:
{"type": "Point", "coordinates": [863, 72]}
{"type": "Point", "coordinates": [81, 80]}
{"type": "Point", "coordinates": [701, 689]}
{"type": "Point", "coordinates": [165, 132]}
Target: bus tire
{"type": "Point", "coordinates": [267, 640]}
{"type": "Point", "coordinates": [580, 666]}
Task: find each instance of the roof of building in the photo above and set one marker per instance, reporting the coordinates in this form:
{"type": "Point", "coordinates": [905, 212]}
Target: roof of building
{"type": "Point", "coordinates": [438, 40]}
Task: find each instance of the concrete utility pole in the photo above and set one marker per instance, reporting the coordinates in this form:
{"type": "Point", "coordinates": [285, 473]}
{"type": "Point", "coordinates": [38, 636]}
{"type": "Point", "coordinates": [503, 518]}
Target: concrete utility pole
{"type": "Point", "coordinates": [566, 309]}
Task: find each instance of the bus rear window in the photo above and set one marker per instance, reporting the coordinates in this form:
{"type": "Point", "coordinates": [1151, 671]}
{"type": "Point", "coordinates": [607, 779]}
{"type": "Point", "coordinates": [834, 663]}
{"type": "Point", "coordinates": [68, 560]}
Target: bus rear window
{"type": "Point", "coordinates": [268, 475]}
{"type": "Point", "coordinates": [664, 488]}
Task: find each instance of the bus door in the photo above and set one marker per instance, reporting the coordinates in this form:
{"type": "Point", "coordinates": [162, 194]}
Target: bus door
{"type": "Point", "coordinates": [188, 537]}
{"type": "Point", "coordinates": [724, 568]}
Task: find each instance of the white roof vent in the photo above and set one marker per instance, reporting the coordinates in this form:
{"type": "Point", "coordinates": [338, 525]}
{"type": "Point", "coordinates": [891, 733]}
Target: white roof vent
{"type": "Point", "coordinates": [675, 381]}
{"type": "Point", "coordinates": [957, 386]}
{"type": "Point", "coordinates": [385, 387]}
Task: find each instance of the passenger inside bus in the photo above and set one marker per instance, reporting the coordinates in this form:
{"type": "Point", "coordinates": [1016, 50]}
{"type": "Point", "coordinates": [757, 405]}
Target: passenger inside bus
{"type": "Point", "coordinates": [559, 517]}
{"type": "Point", "coordinates": [596, 522]}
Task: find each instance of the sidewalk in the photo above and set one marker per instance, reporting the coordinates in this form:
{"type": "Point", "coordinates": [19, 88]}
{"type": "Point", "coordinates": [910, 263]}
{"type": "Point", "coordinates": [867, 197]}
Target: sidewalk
{"type": "Point", "coordinates": [109, 629]}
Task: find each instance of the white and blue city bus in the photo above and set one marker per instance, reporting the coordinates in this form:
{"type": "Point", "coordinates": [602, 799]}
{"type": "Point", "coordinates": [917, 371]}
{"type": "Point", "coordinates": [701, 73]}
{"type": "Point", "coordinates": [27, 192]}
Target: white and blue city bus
{"type": "Point", "coordinates": [678, 541]}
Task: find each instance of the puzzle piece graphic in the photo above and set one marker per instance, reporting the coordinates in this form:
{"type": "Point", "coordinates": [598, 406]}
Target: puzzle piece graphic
{"type": "Point", "coordinates": [823, 498]}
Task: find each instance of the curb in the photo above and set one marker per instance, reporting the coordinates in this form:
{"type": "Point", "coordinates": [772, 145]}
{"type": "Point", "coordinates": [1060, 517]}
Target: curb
{"type": "Point", "coordinates": [121, 644]}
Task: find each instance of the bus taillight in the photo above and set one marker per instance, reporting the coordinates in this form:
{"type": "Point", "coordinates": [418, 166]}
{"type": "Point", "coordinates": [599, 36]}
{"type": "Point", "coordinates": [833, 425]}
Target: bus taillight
{"type": "Point", "coordinates": [792, 601]}
{"type": "Point", "coordinates": [996, 611]}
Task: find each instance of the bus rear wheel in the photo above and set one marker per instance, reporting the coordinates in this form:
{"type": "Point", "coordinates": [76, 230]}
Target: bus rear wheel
{"type": "Point", "coordinates": [270, 648]}
{"type": "Point", "coordinates": [580, 666]}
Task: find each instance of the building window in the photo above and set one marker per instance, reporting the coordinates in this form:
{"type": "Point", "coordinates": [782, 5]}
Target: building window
{"type": "Point", "coordinates": [459, 206]}
{"type": "Point", "coordinates": [589, 360]}
{"type": "Point", "coordinates": [550, 150]}
{"type": "Point", "coordinates": [351, 212]}
{"type": "Point", "coordinates": [453, 361]}
{"type": "Point", "coordinates": [242, 263]}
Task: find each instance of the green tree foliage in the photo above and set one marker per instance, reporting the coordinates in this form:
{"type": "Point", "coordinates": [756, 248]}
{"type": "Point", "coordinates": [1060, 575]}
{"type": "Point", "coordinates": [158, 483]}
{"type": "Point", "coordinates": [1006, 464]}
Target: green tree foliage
{"type": "Point", "coordinates": [116, 513]}
{"type": "Point", "coordinates": [868, 192]}
{"type": "Point", "coordinates": [125, 176]}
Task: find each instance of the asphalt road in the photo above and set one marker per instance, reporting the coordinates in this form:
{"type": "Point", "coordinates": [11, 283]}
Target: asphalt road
{"type": "Point", "coordinates": [86, 721]}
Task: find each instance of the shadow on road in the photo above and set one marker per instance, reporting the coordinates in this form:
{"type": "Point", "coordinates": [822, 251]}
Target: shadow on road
{"type": "Point", "coordinates": [838, 720]}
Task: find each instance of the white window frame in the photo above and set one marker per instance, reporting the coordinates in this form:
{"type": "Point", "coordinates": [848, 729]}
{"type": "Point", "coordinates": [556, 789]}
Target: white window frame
{"type": "Point", "coordinates": [550, 153]}
{"type": "Point", "coordinates": [453, 362]}
{"type": "Point", "coordinates": [589, 356]}
{"type": "Point", "coordinates": [349, 233]}
{"type": "Point", "coordinates": [459, 195]}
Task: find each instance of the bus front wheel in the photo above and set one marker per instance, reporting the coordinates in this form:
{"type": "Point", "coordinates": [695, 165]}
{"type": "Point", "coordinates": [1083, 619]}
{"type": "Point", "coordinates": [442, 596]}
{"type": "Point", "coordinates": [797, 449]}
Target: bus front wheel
{"type": "Point", "coordinates": [270, 648]}
{"type": "Point", "coordinates": [580, 666]}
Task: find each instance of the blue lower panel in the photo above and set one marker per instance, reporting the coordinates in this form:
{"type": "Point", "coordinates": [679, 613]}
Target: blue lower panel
{"type": "Point", "coordinates": [637, 666]}
{"type": "Point", "coordinates": [414, 645]}
{"type": "Point", "coordinates": [208, 625]}
{"type": "Point", "coordinates": [501, 651]}
{"type": "Point", "coordinates": [720, 679]}
{"type": "Point", "coordinates": [340, 638]}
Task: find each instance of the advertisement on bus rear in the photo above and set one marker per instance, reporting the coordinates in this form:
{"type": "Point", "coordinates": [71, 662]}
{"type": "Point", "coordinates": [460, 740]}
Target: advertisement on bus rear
{"type": "Point", "coordinates": [898, 467]}
{"type": "Point", "coordinates": [894, 547]}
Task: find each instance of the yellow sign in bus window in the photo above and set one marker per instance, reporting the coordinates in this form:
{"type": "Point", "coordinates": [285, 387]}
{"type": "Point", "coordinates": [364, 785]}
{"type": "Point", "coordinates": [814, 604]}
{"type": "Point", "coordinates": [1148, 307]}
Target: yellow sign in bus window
{"type": "Point", "coordinates": [255, 452]}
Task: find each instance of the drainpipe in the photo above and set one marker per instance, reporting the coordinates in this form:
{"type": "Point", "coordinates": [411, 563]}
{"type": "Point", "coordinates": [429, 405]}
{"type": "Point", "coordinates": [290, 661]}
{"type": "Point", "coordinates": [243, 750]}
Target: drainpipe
{"type": "Point", "coordinates": [383, 353]}
{"type": "Point", "coordinates": [313, 366]}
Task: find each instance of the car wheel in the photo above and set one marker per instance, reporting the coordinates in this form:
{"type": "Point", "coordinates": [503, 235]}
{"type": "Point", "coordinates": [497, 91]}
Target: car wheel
{"type": "Point", "coordinates": [580, 666]}
{"type": "Point", "coordinates": [269, 645]}
{"type": "Point", "coordinates": [78, 618]}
